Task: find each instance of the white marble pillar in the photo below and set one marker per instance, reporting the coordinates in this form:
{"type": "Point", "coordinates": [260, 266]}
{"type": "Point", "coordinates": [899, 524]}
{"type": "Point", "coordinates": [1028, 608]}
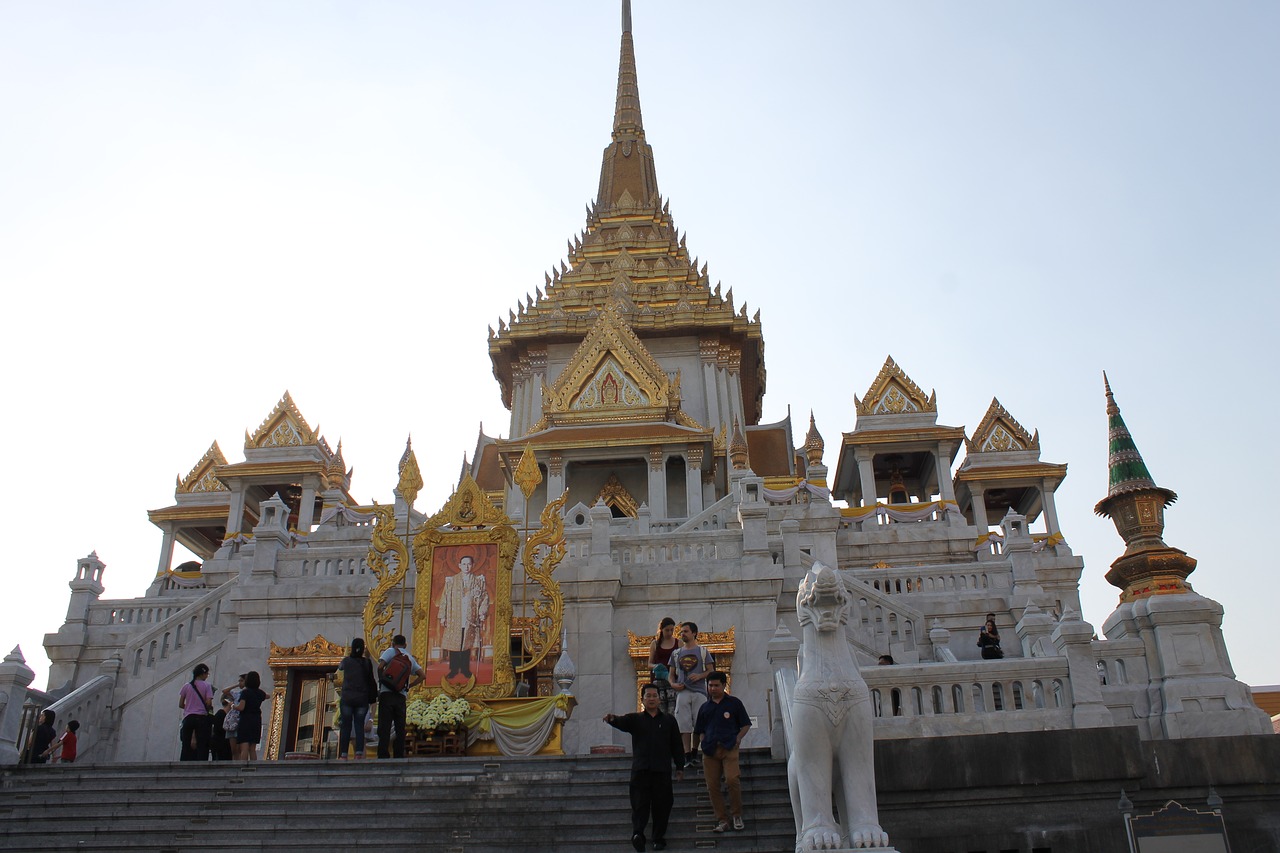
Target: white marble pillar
{"type": "Point", "coordinates": [1050, 509]}
{"type": "Point", "coordinates": [166, 549]}
{"type": "Point", "coordinates": [693, 480]}
{"type": "Point", "coordinates": [235, 512]}
{"type": "Point", "coordinates": [518, 425]}
{"type": "Point", "coordinates": [943, 462]}
{"type": "Point", "coordinates": [555, 475]}
{"type": "Point", "coordinates": [307, 507]}
{"type": "Point", "coordinates": [657, 484]}
{"type": "Point", "coordinates": [979, 509]}
{"type": "Point", "coordinates": [709, 348]}
{"type": "Point", "coordinates": [867, 473]}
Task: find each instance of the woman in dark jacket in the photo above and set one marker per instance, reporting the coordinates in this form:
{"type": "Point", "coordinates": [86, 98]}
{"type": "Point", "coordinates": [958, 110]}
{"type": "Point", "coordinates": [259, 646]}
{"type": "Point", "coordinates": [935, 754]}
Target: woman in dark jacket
{"type": "Point", "coordinates": [989, 641]}
{"type": "Point", "coordinates": [359, 691]}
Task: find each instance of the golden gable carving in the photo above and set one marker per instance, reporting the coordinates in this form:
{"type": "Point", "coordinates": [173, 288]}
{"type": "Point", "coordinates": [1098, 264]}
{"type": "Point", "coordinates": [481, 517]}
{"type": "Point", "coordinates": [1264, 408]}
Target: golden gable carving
{"type": "Point", "coordinates": [284, 427]}
{"type": "Point", "coordinates": [893, 393]}
{"type": "Point", "coordinates": [202, 477]}
{"type": "Point", "coordinates": [611, 372]}
{"type": "Point", "coordinates": [998, 432]}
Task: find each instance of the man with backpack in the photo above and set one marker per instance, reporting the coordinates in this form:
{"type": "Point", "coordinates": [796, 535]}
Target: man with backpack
{"type": "Point", "coordinates": [397, 672]}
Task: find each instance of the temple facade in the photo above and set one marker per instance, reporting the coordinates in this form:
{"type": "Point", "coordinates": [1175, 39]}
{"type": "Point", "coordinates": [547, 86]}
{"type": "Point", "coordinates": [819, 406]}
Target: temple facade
{"type": "Point", "coordinates": [637, 385]}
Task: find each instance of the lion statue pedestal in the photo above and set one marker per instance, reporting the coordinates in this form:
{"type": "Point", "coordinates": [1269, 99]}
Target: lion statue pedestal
{"type": "Point", "coordinates": [831, 728]}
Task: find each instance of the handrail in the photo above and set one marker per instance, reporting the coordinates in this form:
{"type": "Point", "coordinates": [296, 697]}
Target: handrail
{"type": "Point", "coordinates": [90, 704]}
{"type": "Point", "coordinates": [721, 506]}
{"type": "Point", "coordinates": [172, 627]}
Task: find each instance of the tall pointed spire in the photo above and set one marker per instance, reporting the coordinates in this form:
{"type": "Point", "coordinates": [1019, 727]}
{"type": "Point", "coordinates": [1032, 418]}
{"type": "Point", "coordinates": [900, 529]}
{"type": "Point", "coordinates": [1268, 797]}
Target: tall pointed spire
{"type": "Point", "coordinates": [1127, 472]}
{"type": "Point", "coordinates": [627, 169]}
{"type": "Point", "coordinates": [1135, 504]}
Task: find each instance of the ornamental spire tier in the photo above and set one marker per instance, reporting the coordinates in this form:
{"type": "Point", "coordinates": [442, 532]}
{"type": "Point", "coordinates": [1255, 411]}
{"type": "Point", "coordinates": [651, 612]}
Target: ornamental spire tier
{"type": "Point", "coordinates": [1136, 505]}
{"type": "Point", "coordinates": [632, 262]}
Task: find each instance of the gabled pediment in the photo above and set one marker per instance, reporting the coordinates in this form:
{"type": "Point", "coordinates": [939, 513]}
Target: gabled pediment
{"type": "Point", "coordinates": [893, 393]}
{"type": "Point", "coordinates": [284, 427]}
{"type": "Point", "coordinates": [612, 376]}
{"type": "Point", "coordinates": [202, 477]}
{"type": "Point", "coordinates": [998, 432]}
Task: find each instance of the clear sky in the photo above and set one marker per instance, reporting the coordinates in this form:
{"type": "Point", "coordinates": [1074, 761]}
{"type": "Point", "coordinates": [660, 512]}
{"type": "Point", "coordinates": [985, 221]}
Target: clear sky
{"type": "Point", "coordinates": [202, 205]}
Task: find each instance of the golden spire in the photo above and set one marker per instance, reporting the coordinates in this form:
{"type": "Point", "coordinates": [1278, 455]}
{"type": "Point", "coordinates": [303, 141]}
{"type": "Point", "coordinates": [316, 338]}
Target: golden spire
{"type": "Point", "coordinates": [738, 447]}
{"type": "Point", "coordinates": [628, 160]}
{"type": "Point", "coordinates": [410, 476]}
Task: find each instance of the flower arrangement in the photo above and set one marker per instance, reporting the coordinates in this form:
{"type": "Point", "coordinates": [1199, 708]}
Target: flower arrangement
{"type": "Point", "coordinates": [440, 713]}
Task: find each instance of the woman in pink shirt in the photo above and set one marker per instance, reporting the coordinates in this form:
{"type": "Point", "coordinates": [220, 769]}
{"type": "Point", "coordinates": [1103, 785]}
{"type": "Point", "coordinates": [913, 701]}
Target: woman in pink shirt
{"type": "Point", "coordinates": [196, 702]}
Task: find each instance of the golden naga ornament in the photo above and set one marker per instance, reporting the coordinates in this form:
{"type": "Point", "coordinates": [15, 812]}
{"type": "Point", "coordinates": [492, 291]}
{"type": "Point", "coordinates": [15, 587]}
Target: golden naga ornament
{"type": "Point", "coordinates": [543, 552]}
{"type": "Point", "coordinates": [383, 544]}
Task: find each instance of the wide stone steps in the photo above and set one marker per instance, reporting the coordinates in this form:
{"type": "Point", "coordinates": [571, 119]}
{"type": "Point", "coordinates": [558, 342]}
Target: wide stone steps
{"type": "Point", "coordinates": [453, 805]}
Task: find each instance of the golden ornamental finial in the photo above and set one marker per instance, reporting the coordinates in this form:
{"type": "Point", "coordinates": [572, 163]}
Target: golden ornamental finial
{"type": "Point", "coordinates": [528, 475]}
{"type": "Point", "coordinates": [410, 476]}
{"type": "Point", "coordinates": [813, 443]}
{"type": "Point", "coordinates": [738, 447]}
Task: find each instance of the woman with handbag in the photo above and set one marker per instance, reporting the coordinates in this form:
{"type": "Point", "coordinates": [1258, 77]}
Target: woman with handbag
{"type": "Point", "coordinates": [359, 691]}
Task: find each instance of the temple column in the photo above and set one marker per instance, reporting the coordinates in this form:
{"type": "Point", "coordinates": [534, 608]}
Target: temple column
{"type": "Point", "coordinates": [235, 512]}
{"type": "Point", "coordinates": [555, 475]}
{"type": "Point", "coordinates": [942, 460]}
{"type": "Point", "coordinates": [693, 480]}
{"type": "Point", "coordinates": [517, 409]}
{"type": "Point", "coordinates": [307, 506]}
{"type": "Point", "coordinates": [166, 549]}
{"type": "Point", "coordinates": [715, 414]}
{"type": "Point", "coordinates": [733, 382]}
{"type": "Point", "coordinates": [979, 508]}
{"type": "Point", "coordinates": [867, 473]}
{"type": "Point", "coordinates": [1050, 510]}
{"type": "Point", "coordinates": [533, 387]}
{"type": "Point", "coordinates": [657, 484]}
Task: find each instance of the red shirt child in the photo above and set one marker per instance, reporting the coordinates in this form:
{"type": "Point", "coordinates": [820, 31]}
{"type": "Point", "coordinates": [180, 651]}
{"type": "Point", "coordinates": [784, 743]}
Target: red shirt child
{"type": "Point", "coordinates": [65, 748]}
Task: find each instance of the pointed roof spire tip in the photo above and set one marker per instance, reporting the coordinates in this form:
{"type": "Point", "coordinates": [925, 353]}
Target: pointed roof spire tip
{"type": "Point", "coordinates": [626, 16]}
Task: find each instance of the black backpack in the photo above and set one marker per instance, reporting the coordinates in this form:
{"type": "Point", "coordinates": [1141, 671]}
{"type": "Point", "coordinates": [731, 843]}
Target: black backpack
{"type": "Point", "coordinates": [396, 672]}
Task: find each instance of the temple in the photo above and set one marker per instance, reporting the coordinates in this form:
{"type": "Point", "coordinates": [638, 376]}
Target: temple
{"type": "Point", "coordinates": [635, 384]}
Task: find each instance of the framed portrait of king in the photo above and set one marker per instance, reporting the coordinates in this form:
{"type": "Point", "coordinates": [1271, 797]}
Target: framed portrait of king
{"type": "Point", "coordinates": [462, 610]}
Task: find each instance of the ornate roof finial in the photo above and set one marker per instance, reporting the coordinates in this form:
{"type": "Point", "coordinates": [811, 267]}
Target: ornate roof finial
{"type": "Point", "coordinates": [813, 443]}
{"type": "Point", "coordinates": [620, 173]}
{"type": "Point", "coordinates": [738, 447]}
{"type": "Point", "coordinates": [410, 476]}
{"type": "Point", "coordinates": [1135, 504]}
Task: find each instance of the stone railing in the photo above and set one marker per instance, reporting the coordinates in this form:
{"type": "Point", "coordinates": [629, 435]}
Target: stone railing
{"type": "Point", "coordinates": [711, 518]}
{"type": "Point", "coordinates": [878, 624]}
{"type": "Point", "coordinates": [934, 579]}
{"type": "Point", "coordinates": [979, 697]}
{"type": "Point", "coordinates": [136, 611]}
{"type": "Point", "coordinates": [90, 705]}
{"type": "Point", "coordinates": [692, 548]}
{"type": "Point", "coordinates": [176, 630]}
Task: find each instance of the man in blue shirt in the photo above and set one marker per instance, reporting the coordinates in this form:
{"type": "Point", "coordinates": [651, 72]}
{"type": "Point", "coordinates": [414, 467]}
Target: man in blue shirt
{"type": "Point", "coordinates": [392, 704]}
{"type": "Point", "coordinates": [722, 723]}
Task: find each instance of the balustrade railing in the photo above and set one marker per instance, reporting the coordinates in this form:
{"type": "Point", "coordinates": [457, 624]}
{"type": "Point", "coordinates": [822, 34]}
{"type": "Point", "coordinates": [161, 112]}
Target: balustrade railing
{"type": "Point", "coordinates": [90, 705]}
{"type": "Point", "coordinates": [178, 629]}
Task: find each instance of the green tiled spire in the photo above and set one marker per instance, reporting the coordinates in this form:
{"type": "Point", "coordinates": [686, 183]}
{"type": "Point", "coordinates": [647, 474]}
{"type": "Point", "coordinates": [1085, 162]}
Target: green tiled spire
{"type": "Point", "coordinates": [1127, 472]}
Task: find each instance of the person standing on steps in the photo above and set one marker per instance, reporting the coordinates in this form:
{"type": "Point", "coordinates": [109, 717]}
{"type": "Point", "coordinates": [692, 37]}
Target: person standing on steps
{"type": "Point", "coordinates": [249, 732]}
{"type": "Point", "coordinates": [196, 702]}
{"type": "Point", "coordinates": [393, 703]}
{"type": "Point", "coordinates": [722, 723]}
{"type": "Point", "coordinates": [655, 745]}
{"type": "Point", "coordinates": [359, 691]}
{"type": "Point", "coordinates": [689, 666]}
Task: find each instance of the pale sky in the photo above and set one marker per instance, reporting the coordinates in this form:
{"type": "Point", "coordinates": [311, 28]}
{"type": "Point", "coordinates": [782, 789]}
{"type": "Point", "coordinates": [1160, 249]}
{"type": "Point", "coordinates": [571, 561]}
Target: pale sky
{"type": "Point", "coordinates": [202, 205]}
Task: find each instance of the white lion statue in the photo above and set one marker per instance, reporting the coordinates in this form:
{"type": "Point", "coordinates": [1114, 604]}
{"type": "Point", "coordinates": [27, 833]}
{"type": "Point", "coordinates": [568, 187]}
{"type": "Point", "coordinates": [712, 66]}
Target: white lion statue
{"type": "Point", "coordinates": [831, 726]}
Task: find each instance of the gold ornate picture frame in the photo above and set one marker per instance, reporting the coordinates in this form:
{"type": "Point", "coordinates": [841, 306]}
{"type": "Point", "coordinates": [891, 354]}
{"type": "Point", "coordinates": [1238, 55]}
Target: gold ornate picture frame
{"type": "Point", "coordinates": [464, 557]}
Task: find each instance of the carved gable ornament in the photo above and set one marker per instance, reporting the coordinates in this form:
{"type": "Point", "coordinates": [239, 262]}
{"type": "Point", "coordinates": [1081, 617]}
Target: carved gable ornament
{"type": "Point", "coordinates": [612, 377]}
{"type": "Point", "coordinates": [998, 432]}
{"type": "Point", "coordinates": [284, 427]}
{"type": "Point", "coordinates": [893, 393]}
{"type": "Point", "coordinates": [202, 477]}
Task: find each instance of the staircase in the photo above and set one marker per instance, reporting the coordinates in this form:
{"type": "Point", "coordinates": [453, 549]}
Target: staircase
{"type": "Point", "coordinates": [451, 805]}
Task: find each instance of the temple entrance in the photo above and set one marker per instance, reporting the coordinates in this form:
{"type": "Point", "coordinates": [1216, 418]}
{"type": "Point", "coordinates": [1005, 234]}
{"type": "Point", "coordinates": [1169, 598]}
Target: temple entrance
{"type": "Point", "coordinates": [313, 703]}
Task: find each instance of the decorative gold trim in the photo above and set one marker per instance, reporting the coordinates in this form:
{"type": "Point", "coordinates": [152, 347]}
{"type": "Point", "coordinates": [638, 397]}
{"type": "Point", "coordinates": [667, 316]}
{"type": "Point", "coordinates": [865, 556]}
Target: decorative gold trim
{"type": "Point", "coordinates": [468, 518]}
{"type": "Point", "coordinates": [527, 475]}
{"type": "Point", "coordinates": [383, 543]}
{"type": "Point", "coordinates": [202, 477]}
{"type": "Point", "coordinates": [284, 427]}
{"type": "Point", "coordinates": [543, 552]}
{"type": "Point", "coordinates": [999, 432]}
{"type": "Point", "coordinates": [614, 494]}
{"type": "Point", "coordinates": [893, 393]}
{"type": "Point", "coordinates": [317, 653]}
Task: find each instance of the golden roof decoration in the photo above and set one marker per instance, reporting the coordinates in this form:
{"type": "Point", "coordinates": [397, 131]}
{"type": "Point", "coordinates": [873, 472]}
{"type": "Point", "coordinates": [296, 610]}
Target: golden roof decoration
{"type": "Point", "coordinates": [468, 506]}
{"type": "Point", "coordinates": [202, 477]}
{"type": "Point", "coordinates": [612, 376]}
{"type": "Point", "coordinates": [813, 443]}
{"type": "Point", "coordinates": [410, 477]}
{"type": "Point", "coordinates": [317, 650]}
{"type": "Point", "coordinates": [893, 393]}
{"type": "Point", "coordinates": [528, 475]}
{"type": "Point", "coordinates": [614, 494]}
{"type": "Point", "coordinates": [632, 256]}
{"type": "Point", "coordinates": [337, 472]}
{"type": "Point", "coordinates": [284, 427]}
{"type": "Point", "coordinates": [738, 447]}
{"type": "Point", "coordinates": [999, 432]}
